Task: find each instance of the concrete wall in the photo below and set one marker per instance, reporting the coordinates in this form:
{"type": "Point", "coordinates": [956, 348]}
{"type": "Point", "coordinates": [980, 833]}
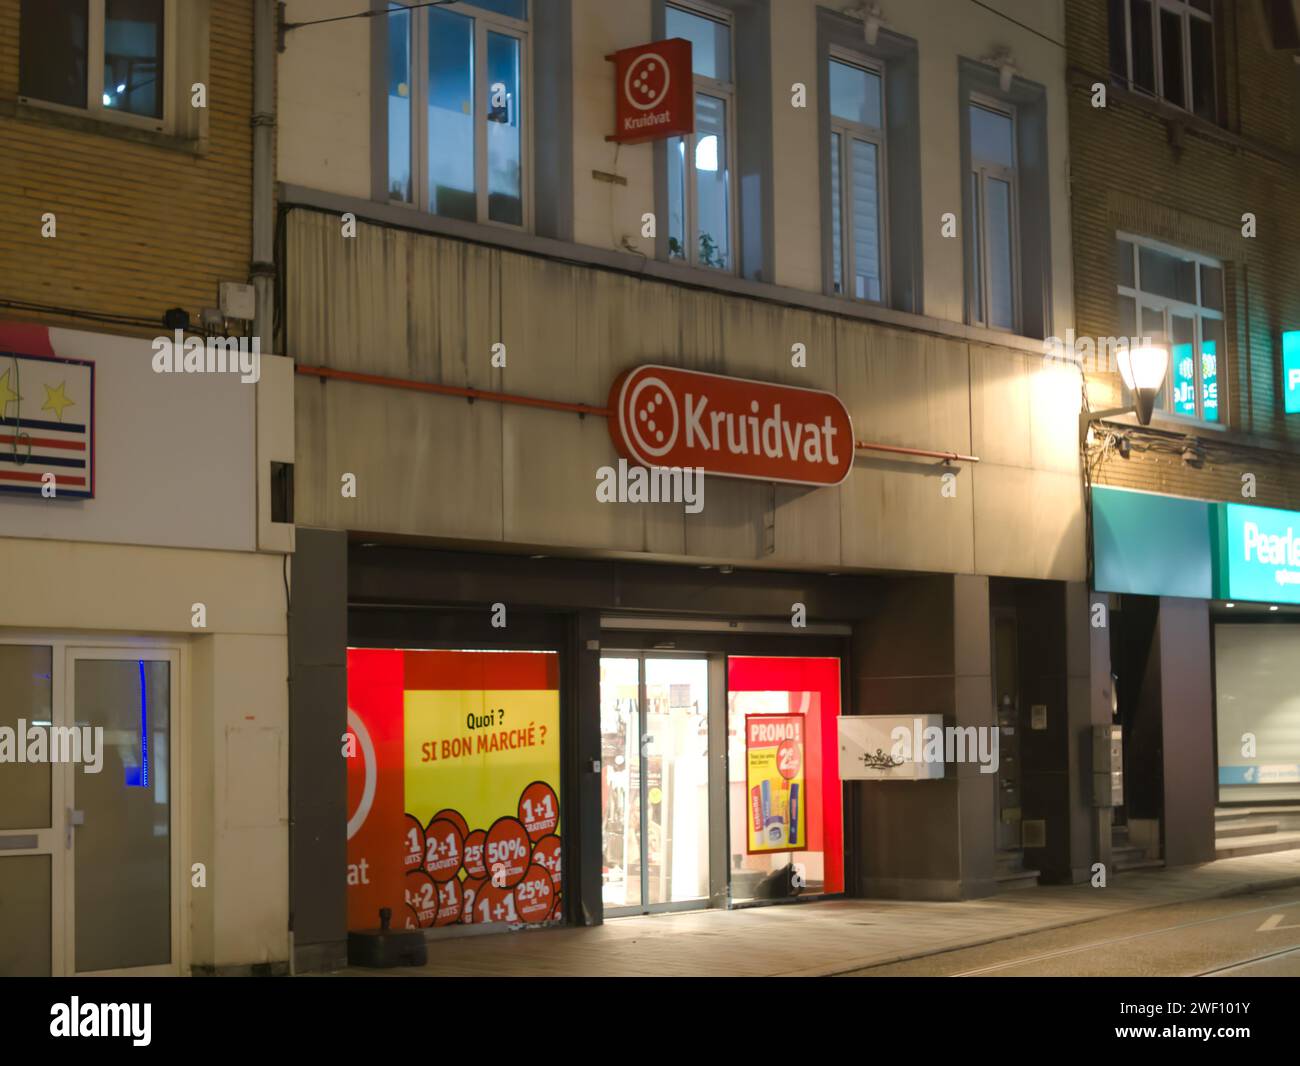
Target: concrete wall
{"type": "Point", "coordinates": [416, 306]}
{"type": "Point", "coordinates": [925, 650]}
{"type": "Point", "coordinates": [323, 104]}
{"type": "Point", "coordinates": [325, 139]}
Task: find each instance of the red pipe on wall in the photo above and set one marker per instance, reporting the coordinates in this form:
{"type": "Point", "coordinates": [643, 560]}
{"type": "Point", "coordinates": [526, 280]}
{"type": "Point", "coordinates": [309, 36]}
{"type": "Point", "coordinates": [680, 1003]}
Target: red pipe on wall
{"type": "Point", "coordinates": [325, 372]}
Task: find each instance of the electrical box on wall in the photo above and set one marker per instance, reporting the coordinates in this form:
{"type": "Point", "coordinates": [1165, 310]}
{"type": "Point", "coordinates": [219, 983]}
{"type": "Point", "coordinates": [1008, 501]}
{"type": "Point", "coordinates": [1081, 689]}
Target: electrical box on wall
{"type": "Point", "coordinates": [1107, 766]}
{"type": "Point", "coordinates": [888, 747]}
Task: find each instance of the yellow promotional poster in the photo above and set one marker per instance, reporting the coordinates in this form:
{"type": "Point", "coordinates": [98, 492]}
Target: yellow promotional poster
{"type": "Point", "coordinates": [774, 748]}
{"type": "Point", "coordinates": [455, 791]}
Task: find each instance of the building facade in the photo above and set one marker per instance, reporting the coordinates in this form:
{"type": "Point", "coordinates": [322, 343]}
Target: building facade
{"type": "Point", "coordinates": [869, 214]}
{"type": "Point", "coordinates": [143, 702]}
{"type": "Point", "coordinates": [1185, 128]}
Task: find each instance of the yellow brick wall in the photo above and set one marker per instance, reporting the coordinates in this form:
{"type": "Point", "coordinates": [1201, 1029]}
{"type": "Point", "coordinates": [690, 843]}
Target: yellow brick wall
{"type": "Point", "coordinates": [1126, 174]}
{"type": "Point", "coordinates": [141, 227]}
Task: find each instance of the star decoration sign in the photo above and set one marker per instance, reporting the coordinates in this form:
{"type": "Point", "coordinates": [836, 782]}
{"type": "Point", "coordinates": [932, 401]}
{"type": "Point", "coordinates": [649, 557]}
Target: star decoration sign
{"type": "Point", "coordinates": [47, 434]}
{"type": "Point", "coordinates": [8, 394]}
{"type": "Point", "coordinates": [56, 400]}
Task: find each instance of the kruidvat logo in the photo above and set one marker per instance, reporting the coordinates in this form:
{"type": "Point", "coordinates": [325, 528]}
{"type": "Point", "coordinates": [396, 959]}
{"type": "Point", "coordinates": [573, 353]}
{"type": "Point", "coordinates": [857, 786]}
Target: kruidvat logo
{"type": "Point", "coordinates": [219, 355]}
{"type": "Point", "coordinates": [39, 742]}
{"type": "Point", "coordinates": [133, 1020]}
{"type": "Point", "coordinates": [734, 427]}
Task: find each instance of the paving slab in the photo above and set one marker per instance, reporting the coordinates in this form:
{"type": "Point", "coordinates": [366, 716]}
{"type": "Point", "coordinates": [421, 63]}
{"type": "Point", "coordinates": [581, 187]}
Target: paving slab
{"type": "Point", "coordinates": [834, 936]}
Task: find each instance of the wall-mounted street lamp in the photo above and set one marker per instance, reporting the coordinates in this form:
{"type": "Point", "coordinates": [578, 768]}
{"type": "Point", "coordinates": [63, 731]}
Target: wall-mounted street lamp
{"type": "Point", "coordinates": [1143, 369]}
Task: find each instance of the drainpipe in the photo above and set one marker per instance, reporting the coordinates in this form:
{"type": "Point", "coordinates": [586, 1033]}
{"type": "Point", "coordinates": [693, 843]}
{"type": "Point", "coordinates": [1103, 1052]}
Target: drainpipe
{"type": "Point", "coordinates": [263, 266]}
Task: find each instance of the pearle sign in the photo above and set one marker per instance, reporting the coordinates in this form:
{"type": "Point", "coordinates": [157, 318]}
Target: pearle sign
{"type": "Point", "coordinates": [1260, 557]}
{"type": "Point", "coordinates": [663, 416]}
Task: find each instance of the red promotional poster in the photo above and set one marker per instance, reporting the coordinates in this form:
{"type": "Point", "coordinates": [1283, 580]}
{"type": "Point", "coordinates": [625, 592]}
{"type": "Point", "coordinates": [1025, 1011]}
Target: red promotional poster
{"type": "Point", "coordinates": [654, 91]}
{"type": "Point", "coordinates": [453, 787]}
{"type": "Point", "coordinates": [664, 416]}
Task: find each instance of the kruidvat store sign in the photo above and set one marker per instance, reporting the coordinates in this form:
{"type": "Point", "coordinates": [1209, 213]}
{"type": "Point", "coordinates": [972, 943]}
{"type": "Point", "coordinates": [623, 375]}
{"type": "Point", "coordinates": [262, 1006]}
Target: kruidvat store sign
{"type": "Point", "coordinates": [655, 92]}
{"type": "Point", "coordinates": [733, 427]}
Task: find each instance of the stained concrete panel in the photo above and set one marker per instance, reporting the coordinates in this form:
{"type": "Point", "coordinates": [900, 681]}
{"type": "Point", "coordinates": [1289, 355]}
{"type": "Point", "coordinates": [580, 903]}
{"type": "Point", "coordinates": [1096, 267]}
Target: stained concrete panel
{"type": "Point", "coordinates": [1028, 522]}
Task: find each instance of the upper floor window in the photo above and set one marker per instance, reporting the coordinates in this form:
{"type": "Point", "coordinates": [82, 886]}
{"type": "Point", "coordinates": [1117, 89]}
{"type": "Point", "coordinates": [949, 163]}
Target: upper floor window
{"type": "Point", "coordinates": [109, 58]}
{"type": "Point", "coordinates": [458, 134]}
{"type": "Point", "coordinates": [857, 166]}
{"type": "Point", "coordinates": [1166, 48]}
{"type": "Point", "coordinates": [993, 232]}
{"type": "Point", "coordinates": [1176, 299]}
{"type": "Point", "coordinates": [701, 214]}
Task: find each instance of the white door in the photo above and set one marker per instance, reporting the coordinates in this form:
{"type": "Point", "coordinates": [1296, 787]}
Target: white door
{"type": "Point", "coordinates": [120, 896]}
{"type": "Point", "coordinates": [89, 847]}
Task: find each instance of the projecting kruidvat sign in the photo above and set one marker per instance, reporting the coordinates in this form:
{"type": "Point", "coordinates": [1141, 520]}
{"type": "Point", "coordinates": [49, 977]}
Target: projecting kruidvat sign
{"type": "Point", "coordinates": [734, 427]}
{"type": "Point", "coordinates": [654, 91]}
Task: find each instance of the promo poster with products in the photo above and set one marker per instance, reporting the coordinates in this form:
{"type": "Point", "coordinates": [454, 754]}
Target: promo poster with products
{"type": "Point", "coordinates": [453, 787]}
{"type": "Point", "coordinates": [778, 803]}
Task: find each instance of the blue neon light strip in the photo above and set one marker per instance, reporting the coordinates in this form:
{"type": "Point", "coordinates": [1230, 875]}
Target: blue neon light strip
{"type": "Point", "coordinates": [138, 776]}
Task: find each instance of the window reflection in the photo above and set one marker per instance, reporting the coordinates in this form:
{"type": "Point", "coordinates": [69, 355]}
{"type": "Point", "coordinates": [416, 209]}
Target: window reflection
{"type": "Point", "coordinates": [133, 56]}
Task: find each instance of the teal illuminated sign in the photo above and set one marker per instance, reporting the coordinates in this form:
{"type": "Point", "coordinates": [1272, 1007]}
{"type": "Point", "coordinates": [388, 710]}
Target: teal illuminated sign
{"type": "Point", "coordinates": [1291, 371]}
{"type": "Point", "coordinates": [1155, 545]}
{"type": "Point", "coordinates": [1258, 554]}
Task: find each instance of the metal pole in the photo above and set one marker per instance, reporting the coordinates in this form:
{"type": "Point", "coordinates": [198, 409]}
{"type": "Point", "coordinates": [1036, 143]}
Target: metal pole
{"type": "Point", "coordinates": [263, 265]}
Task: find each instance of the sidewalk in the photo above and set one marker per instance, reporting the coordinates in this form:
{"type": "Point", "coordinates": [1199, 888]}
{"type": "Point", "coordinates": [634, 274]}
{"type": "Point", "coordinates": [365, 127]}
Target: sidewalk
{"type": "Point", "coordinates": [817, 939]}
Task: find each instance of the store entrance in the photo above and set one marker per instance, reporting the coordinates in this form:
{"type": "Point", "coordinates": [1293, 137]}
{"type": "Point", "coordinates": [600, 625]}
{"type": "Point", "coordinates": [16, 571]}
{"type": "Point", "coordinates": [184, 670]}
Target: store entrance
{"type": "Point", "coordinates": [654, 720]}
{"type": "Point", "coordinates": [719, 774]}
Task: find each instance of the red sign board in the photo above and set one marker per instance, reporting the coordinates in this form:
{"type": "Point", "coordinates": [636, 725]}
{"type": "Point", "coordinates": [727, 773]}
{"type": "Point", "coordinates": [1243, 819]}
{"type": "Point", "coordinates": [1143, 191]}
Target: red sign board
{"type": "Point", "coordinates": [663, 416]}
{"type": "Point", "coordinates": [654, 91]}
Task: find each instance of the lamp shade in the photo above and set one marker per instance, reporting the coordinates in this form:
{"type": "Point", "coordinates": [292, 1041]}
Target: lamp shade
{"type": "Point", "coordinates": [1143, 370]}
{"type": "Point", "coordinates": [1144, 367]}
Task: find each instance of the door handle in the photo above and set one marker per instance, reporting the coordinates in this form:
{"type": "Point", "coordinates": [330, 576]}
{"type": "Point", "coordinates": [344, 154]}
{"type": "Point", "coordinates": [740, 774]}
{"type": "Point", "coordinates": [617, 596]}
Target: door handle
{"type": "Point", "coordinates": [75, 818]}
{"type": "Point", "coordinates": [646, 741]}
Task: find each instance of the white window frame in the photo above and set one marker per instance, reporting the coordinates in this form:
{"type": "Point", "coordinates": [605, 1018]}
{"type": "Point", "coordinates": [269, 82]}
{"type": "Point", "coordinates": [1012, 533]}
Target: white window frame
{"type": "Point", "coordinates": [848, 131]}
{"type": "Point", "coordinates": [726, 92]}
{"type": "Point", "coordinates": [983, 170]}
{"type": "Point", "coordinates": [95, 107]}
{"type": "Point", "coordinates": [1186, 12]}
{"type": "Point", "coordinates": [485, 21]}
{"type": "Point", "coordinates": [1169, 307]}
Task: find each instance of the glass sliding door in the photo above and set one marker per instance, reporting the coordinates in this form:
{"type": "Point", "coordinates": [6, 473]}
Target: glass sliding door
{"type": "Point", "coordinates": [676, 780]}
{"type": "Point", "coordinates": [620, 781]}
{"type": "Point", "coordinates": [655, 782]}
